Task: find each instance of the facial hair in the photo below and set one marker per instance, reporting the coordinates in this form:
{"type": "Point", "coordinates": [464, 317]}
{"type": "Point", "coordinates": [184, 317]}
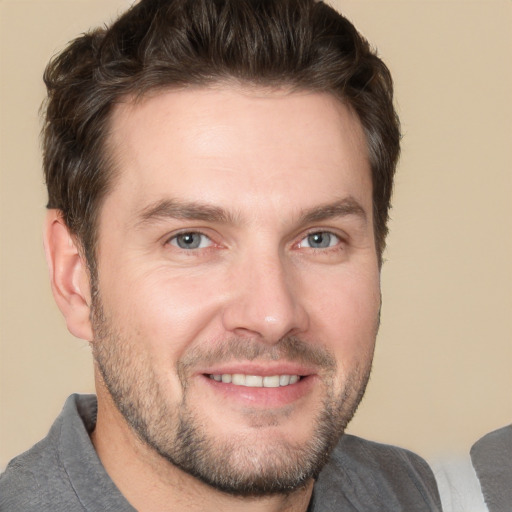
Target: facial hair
{"type": "Point", "coordinates": [250, 464]}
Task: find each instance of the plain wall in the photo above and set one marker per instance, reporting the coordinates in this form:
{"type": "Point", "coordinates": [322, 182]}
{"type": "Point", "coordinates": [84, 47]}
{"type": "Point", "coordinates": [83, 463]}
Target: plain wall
{"type": "Point", "coordinates": [442, 374]}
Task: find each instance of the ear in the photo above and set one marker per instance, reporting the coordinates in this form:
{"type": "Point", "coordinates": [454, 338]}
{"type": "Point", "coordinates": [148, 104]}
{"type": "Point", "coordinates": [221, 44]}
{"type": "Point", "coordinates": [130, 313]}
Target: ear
{"type": "Point", "coordinates": [69, 276]}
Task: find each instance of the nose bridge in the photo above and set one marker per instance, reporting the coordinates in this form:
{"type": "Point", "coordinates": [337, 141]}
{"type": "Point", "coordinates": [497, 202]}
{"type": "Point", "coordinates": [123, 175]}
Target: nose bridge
{"type": "Point", "coordinates": [265, 302]}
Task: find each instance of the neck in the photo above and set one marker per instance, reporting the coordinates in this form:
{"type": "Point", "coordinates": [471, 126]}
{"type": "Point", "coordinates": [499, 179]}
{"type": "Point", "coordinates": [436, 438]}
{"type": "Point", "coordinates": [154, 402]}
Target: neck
{"type": "Point", "coordinates": [151, 483]}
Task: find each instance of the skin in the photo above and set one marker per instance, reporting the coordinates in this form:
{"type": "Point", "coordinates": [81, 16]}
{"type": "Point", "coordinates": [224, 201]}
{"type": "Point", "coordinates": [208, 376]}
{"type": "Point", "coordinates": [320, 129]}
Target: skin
{"type": "Point", "coordinates": [256, 173]}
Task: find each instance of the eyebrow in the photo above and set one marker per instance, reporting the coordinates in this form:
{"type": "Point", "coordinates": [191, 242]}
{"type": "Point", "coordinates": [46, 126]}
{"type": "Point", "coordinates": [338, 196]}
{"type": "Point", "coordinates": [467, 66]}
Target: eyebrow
{"type": "Point", "coordinates": [184, 210]}
{"type": "Point", "coordinates": [341, 208]}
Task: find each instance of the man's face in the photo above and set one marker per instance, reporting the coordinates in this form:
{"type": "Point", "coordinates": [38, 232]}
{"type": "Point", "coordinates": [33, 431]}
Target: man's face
{"type": "Point", "coordinates": [238, 286]}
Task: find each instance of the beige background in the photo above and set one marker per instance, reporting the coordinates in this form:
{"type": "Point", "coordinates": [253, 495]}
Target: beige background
{"type": "Point", "coordinates": [442, 374]}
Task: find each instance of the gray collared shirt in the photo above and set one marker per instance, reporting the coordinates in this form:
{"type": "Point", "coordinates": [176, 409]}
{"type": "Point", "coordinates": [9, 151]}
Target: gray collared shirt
{"type": "Point", "coordinates": [63, 473]}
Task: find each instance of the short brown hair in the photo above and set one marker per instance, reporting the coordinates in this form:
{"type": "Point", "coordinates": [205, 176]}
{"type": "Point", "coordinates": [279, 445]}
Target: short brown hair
{"type": "Point", "coordinates": [302, 44]}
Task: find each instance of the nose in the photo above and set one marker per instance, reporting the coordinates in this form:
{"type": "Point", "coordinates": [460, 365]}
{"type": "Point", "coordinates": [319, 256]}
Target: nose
{"type": "Point", "coordinates": [264, 300]}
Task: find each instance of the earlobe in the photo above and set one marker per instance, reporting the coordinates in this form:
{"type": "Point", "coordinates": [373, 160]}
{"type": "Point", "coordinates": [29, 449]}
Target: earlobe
{"type": "Point", "coordinates": [69, 277]}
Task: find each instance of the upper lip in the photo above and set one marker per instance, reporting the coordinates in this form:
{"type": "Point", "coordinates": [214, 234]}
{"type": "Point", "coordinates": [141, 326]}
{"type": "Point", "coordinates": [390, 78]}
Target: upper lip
{"type": "Point", "coordinates": [264, 369]}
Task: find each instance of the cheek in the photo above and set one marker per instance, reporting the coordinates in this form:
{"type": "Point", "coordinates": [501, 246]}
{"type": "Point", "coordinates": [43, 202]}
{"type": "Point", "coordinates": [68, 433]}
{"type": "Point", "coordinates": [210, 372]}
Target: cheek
{"type": "Point", "coordinates": [344, 315]}
{"type": "Point", "coordinates": [164, 311]}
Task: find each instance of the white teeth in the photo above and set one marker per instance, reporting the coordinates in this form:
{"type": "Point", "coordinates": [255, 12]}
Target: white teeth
{"type": "Point", "coordinates": [271, 382]}
{"type": "Point", "coordinates": [284, 380]}
{"type": "Point", "coordinates": [256, 381]}
{"type": "Point", "coordinates": [238, 379]}
{"type": "Point", "coordinates": [253, 381]}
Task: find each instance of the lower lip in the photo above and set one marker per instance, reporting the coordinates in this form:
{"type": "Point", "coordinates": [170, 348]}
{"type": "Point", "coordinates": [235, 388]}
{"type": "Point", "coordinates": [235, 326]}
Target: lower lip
{"type": "Point", "coordinates": [264, 398]}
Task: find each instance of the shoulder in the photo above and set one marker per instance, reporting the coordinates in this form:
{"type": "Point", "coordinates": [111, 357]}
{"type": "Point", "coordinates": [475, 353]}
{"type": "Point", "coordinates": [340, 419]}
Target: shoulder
{"type": "Point", "coordinates": [33, 480]}
{"type": "Point", "coordinates": [496, 442]}
{"type": "Point", "coordinates": [491, 459]}
{"type": "Point", "coordinates": [383, 458]}
{"type": "Point", "coordinates": [375, 476]}
{"type": "Point", "coordinates": [26, 477]}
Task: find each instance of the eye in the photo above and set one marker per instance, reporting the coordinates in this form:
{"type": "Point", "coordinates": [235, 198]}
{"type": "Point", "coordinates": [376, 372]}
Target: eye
{"type": "Point", "coordinates": [320, 240]}
{"type": "Point", "coordinates": [190, 240]}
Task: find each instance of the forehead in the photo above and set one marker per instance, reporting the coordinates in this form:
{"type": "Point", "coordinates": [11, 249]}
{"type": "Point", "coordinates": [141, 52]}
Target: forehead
{"type": "Point", "coordinates": [239, 144]}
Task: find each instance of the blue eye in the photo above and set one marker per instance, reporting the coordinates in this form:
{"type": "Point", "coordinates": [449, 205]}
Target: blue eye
{"type": "Point", "coordinates": [191, 240]}
{"type": "Point", "coordinates": [319, 240]}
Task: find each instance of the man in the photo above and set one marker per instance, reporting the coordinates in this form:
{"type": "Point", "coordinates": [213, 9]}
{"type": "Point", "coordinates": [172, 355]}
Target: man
{"type": "Point", "coordinates": [219, 177]}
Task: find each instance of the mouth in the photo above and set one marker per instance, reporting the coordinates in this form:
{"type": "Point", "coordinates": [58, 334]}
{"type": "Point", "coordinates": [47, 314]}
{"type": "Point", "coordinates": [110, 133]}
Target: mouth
{"type": "Point", "coordinates": [263, 389]}
{"type": "Point", "coordinates": [256, 381]}
{"type": "Point", "coordinates": [259, 385]}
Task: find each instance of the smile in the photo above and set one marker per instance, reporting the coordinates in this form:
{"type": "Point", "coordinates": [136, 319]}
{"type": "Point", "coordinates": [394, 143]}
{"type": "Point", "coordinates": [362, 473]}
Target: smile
{"type": "Point", "coordinates": [256, 381]}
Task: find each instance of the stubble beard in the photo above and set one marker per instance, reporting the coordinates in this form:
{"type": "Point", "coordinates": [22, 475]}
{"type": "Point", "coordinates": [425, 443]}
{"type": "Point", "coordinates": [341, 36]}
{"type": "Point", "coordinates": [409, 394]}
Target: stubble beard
{"type": "Point", "coordinates": [238, 465]}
